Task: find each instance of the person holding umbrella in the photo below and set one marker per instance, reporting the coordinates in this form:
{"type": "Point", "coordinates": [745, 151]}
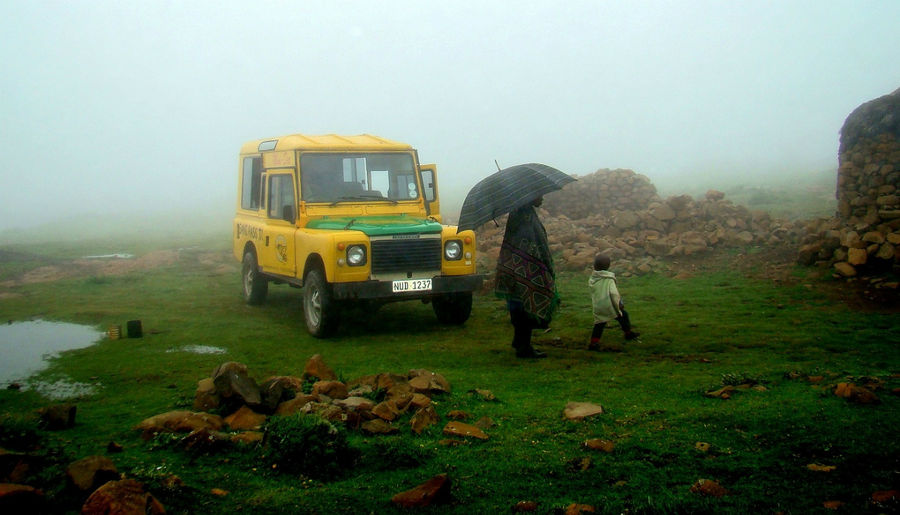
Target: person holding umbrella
{"type": "Point", "coordinates": [525, 275]}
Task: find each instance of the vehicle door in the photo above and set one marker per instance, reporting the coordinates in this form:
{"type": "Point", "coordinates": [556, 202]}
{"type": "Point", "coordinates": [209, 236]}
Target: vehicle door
{"type": "Point", "coordinates": [428, 174]}
{"type": "Point", "coordinates": [279, 255]}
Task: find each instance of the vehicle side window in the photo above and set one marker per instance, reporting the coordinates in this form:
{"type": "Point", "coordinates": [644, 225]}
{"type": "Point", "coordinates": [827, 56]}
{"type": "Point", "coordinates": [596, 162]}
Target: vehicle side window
{"type": "Point", "coordinates": [251, 191]}
{"type": "Point", "coordinates": [428, 184]}
{"type": "Point", "coordinates": [281, 197]}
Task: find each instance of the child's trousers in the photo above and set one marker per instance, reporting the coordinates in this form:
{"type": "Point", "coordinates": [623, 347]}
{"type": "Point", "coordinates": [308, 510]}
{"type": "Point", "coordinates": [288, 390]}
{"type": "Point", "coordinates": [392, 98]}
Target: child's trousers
{"type": "Point", "coordinates": [624, 323]}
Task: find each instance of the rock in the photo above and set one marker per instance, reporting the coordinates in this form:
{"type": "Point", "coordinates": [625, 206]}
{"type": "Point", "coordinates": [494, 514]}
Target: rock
{"type": "Point", "coordinates": [581, 410]}
{"type": "Point", "coordinates": [275, 390]}
{"type": "Point", "coordinates": [423, 418]}
{"type": "Point", "coordinates": [722, 393]}
{"type": "Point", "coordinates": [15, 499]}
{"type": "Point", "coordinates": [377, 426]}
{"type": "Point", "coordinates": [457, 428]}
{"type": "Point", "coordinates": [708, 487]}
{"type": "Point", "coordinates": [579, 509]}
{"type": "Point", "coordinates": [295, 405]}
{"type": "Point", "coordinates": [857, 257]}
{"type": "Point", "coordinates": [245, 419]}
{"type": "Point", "coordinates": [857, 394]}
{"type": "Point", "coordinates": [87, 474]}
{"type": "Point", "coordinates": [233, 384]}
{"type": "Point", "coordinates": [525, 507]}
{"type": "Point", "coordinates": [58, 416]}
{"type": "Point", "coordinates": [317, 368]}
{"type": "Point", "coordinates": [435, 490]}
{"type": "Point", "coordinates": [359, 404]}
{"type": "Point", "coordinates": [886, 252]}
{"type": "Point", "coordinates": [205, 440]}
{"type": "Point", "coordinates": [331, 389]}
{"type": "Point", "coordinates": [179, 421]}
{"type": "Point", "coordinates": [457, 415]}
{"type": "Point", "coordinates": [418, 401]}
{"type": "Point", "coordinates": [124, 497]}
{"type": "Point", "coordinates": [386, 410]}
{"type": "Point", "coordinates": [845, 269]}
{"type": "Point", "coordinates": [873, 237]}
{"type": "Point", "coordinates": [597, 444]}
{"type": "Point", "coordinates": [714, 195]}
{"type": "Point", "coordinates": [433, 382]}
{"type": "Point", "coordinates": [206, 398]}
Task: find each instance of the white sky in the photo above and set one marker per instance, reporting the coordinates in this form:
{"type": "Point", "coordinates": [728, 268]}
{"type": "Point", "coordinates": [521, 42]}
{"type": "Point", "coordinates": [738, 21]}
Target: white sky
{"type": "Point", "coordinates": [115, 108]}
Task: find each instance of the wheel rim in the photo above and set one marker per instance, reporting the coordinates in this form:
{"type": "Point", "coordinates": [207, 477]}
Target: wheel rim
{"type": "Point", "coordinates": [248, 281]}
{"type": "Point", "coordinates": [314, 307]}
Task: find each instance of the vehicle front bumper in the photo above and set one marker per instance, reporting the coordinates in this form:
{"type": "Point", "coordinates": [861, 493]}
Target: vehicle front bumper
{"type": "Point", "coordinates": [383, 290]}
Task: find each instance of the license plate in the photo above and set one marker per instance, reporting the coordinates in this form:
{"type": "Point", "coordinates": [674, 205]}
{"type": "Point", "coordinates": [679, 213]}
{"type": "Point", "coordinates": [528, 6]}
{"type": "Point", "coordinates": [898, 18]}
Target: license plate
{"type": "Point", "coordinates": [412, 285]}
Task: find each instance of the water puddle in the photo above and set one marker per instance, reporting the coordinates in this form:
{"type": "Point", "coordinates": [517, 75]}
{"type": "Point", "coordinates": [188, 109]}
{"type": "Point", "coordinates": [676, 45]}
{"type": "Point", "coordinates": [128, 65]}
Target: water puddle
{"type": "Point", "coordinates": [26, 347]}
{"type": "Point", "coordinates": [199, 349]}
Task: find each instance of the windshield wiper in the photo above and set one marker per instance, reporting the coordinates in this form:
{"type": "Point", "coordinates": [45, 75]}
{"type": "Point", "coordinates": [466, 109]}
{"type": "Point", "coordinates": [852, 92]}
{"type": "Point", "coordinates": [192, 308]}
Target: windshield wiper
{"type": "Point", "coordinates": [365, 198]}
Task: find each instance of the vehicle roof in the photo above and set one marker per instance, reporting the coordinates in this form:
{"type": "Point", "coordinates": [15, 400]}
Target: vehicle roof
{"type": "Point", "coordinates": [326, 142]}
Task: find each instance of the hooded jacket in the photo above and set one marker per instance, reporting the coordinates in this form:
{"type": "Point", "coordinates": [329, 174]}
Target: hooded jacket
{"type": "Point", "coordinates": [605, 298]}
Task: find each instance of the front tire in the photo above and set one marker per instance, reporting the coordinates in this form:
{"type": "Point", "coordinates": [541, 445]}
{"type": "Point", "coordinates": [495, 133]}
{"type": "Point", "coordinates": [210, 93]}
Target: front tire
{"type": "Point", "coordinates": [255, 285]}
{"type": "Point", "coordinates": [319, 307]}
{"type": "Point", "coordinates": [453, 308]}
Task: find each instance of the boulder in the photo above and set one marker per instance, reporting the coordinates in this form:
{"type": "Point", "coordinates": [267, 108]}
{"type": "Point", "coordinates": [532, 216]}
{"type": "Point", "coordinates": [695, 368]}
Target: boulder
{"type": "Point", "coordinates": [124, 497]}
{"type": "Point", "coordinates": [245, 419]}
{"type": "Point", "coordinates": [456, 428]}
{"type": "Point", "coordinates": [233, 384]}
{"type": "Point", "coordinates": [206, 398]}
{"type": "Point", "coordinates": [581, 410]}
{"type": "Point", "coordinates": [58, 416]}
{"type": "Point", "coordinates": [87, 474]}
{"type": "Point", "coordinates": [317, 368]}
{"type": "Point", "coordinates": [179, 421]}
{"type": "Point", "coordinates": [16, 498]}
{"type": "Point", "coordinates": [423, 418]}
{"type": "Point", "coordinates": [330, 389]}
{"type": "Point", "coordinates": [435, 490]}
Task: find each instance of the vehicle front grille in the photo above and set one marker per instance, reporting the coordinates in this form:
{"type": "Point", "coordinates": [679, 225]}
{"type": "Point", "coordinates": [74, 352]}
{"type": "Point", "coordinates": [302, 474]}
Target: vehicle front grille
{"type": "Point", "coordinates": [406, 255]}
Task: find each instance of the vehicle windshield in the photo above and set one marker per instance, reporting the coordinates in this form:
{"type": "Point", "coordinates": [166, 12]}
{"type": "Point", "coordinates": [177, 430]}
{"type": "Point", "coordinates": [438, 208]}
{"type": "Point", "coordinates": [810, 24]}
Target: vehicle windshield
{"type": "Point", "coordinates": [348, 177]}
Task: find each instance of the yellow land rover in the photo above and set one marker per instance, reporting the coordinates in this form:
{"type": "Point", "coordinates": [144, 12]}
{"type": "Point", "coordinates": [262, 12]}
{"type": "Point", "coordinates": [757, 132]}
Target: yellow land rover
{"type": "Point", "coordinates": [348, 218]}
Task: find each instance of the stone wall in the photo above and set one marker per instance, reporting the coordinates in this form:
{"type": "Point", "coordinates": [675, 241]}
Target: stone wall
{"type": "Point", "coordinates": [864, 237]}
{"type": "Point", "coordinates": [618, 212]}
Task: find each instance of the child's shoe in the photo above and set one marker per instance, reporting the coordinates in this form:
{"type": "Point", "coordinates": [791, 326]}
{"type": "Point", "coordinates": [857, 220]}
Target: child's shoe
{"type": "Point", "coordinates": [631, 335]}
{"type": "Point", "coordinates": [594, 345]}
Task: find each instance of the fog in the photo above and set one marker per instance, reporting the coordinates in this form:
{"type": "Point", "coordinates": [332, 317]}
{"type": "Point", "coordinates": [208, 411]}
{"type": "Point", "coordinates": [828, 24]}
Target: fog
{"type": "Point", "coordinates": [115, 110]}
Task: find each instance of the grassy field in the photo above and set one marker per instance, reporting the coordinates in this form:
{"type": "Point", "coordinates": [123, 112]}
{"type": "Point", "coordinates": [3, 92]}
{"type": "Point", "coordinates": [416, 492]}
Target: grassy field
{"type": "Point", "coordinates": [714, 329]}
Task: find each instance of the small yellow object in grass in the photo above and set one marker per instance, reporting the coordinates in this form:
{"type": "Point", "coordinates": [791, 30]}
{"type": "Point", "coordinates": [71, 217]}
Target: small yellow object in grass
{"type": "Point", "coordinates": [815, 467]}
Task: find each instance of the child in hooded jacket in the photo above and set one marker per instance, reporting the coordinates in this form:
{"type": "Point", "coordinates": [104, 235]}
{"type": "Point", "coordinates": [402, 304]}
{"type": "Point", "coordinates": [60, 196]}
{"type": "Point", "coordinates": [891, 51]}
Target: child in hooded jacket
{"type": "Point", "coordinates": [606, 302]}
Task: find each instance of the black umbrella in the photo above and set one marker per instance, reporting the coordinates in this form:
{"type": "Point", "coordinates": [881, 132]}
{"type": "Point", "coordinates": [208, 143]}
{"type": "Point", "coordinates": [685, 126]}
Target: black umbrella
{"type": "Point", "coordinates": [507, 190]}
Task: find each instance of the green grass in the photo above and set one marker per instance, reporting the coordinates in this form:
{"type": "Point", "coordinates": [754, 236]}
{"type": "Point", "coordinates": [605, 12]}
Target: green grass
{"type": "Point", "coordinates": [698, 334]}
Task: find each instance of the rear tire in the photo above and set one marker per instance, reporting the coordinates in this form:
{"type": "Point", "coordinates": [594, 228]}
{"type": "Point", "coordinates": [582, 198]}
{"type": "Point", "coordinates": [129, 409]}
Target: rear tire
{"type": "Point", "coordinates": [255, 285]}
{"type": "Point", "coordinates": [453, 308]}
{"type": "Point", "coordinates": [319, 307]}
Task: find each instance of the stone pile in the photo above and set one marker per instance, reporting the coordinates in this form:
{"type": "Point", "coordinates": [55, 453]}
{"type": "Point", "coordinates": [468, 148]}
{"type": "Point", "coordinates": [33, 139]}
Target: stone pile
{"type": "Point", "coordinates": [864, 237]}
{"type": "Point", "coordinates": [620, 189]}
{"type": "Point", "coordinates": [373, 404]}
{"type": "Point", "coordinates": [582, 220]}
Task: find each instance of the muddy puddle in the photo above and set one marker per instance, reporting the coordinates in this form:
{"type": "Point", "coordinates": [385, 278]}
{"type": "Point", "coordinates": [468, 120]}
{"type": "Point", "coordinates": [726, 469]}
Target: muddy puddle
{"type": "Point", "coordinates": [27, 346]}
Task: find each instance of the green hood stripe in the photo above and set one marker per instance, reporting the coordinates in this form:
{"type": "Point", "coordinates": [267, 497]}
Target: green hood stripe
{"type": "Point", "coordinates": [378, 225]}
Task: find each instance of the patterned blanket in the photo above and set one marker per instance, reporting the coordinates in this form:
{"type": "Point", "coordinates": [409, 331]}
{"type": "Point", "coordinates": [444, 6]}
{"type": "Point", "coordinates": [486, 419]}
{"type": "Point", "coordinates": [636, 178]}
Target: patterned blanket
{"type": "Point", "coordinates": [525, 266]}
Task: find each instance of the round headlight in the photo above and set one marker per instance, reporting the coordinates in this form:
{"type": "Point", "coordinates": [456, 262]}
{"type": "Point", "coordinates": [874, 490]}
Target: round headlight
{"type": "Point", "coordinates": [356, 255]}
{"type": "Point", "coordinates": [453, 250]}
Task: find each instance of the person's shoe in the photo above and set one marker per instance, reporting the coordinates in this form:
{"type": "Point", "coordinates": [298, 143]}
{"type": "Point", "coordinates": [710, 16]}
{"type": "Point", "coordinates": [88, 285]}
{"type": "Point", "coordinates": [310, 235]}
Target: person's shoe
{"type": "Point", "coordinates": [530, 353]}
{"type": "Point", "coordinates": [594, 346]}
{"type": "Point", "coordinates": [631, 335]}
